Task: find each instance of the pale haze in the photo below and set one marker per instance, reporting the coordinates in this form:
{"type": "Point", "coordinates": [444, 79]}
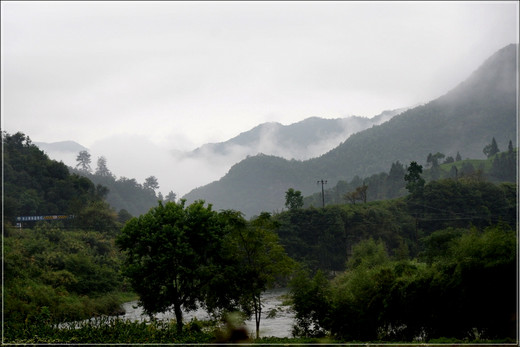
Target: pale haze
{"type": "Point", "coordinates": [141, 82]}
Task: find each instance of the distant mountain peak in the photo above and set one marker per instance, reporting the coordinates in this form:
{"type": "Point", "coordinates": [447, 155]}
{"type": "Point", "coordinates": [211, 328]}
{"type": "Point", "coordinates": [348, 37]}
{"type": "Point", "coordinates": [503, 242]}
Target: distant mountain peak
{"type": "Point", "coordinates": [61, 146]}
{"type": "Point", "coordinates": [302, 140]}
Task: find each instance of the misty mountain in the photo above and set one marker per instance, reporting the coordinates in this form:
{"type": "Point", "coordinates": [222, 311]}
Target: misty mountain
{"type": "Point", "coordinates": [65, 151]}
{"type": "Point", "coordinates": [465, 120]}
{"type": "Point", "coordinates": [302, 140]}
{"type": "Point", "coordinates": [62, 146]}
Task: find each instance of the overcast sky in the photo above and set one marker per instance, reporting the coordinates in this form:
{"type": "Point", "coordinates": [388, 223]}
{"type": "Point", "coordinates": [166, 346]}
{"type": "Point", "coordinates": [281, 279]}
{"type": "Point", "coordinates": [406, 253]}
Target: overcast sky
{"type": "Point", "coordinates": [180, 74]}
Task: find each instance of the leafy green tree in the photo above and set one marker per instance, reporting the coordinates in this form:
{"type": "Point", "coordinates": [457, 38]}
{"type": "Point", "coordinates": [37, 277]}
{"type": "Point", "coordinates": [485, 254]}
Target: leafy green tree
{"type": "Point", "coordinates": [415, 183]}
{"type": "Point", "coordinates": [491, 149]}
{"type": "Point", "coordinates": [262, 261]}
{"type": "Point", "coordinates": [170, 253]}
{"type": "Point", "coordinates": [293, 199]}
{"type": "Point", "coordinates": [83, 161]}
{"type": "Point", "coordinates": [310, 301]}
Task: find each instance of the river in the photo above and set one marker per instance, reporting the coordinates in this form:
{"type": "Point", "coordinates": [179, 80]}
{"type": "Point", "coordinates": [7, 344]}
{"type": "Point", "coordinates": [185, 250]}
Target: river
{"type": "Point", "coordinates": [278, 326]}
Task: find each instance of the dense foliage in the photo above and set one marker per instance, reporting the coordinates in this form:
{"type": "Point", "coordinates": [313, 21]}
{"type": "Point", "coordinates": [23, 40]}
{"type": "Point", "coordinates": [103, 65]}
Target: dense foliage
{"type": "Point", "coordinates": [54, 275]}
{"type": "Point", "coordinates": [189, 256]}
{"type": "Point", "coordinates": [323, 238]}
{"type": "Point", "coordinates": [466, 291]}
{"type": "Point", "coordinates": [36, 185]}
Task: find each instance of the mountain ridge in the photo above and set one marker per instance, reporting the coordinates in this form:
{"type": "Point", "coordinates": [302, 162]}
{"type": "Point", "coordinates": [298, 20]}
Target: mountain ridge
{"type": "Point", "coordinates": [464, 119]}
{"type": "Point", "coordinates": [301, 140]}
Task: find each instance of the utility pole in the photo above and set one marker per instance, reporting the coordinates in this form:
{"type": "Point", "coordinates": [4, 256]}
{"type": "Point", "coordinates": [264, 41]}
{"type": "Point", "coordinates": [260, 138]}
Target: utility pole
{"type": "Point", "coordinates": [322, 191]}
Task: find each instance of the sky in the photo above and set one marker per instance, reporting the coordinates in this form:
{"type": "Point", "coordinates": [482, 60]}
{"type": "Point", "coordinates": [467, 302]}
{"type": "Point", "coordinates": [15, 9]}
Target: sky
{"type": "Point", "coordinates": [137, 81]}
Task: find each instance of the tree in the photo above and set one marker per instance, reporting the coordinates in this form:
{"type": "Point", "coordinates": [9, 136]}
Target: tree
{"type": "Point", "coordinates": [151, 183]}
{"type": "Point", "coordinates": [415, 183]}
{"type": "Point", "coordinates": [83, 160]}
{"type": "Point", "coordinates": [261, 261]}
{"type": "Point", "coordinates": [293, 199]}
{"type": "Point", "coordinates": [429, 159]}
{"type": "Point", "coordinates": [433, 159]}
{"type": "Point", "coordinates": [171, 196]}
{"type": "Point", "coordinates": [458, 157]}
{"type": "Point", "coordinates": [491, 149]}
{"type": "Point", "coordinates": [102, 169]}
{"type": "Point", "coordinates": [170, 255]}
{"type": "Point", "coordinates": [351, 197]}
{"type": "Point", "coordinates": [359, 194]}
{"type": "Point", "coordinates": [310, 302]}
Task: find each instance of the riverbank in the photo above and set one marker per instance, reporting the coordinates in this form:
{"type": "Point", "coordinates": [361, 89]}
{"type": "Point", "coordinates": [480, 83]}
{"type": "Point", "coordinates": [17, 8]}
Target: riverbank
{"type": "Point", "coordinates": [277, 318]}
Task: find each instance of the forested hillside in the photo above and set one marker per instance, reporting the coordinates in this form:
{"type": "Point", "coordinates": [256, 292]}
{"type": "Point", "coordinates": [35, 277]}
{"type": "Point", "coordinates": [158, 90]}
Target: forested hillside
{"type": "Point", "coordinates": [54, 270]}
{"type": "Point", "coordinates": [464, 120]}
{"type": "Point", "coordinates": [499, 167]}
{"type": "Point", "coordinates": [36, 185]}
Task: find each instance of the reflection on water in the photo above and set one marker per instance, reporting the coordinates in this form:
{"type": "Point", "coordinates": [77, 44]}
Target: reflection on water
{"type": "Point", "coordinates": [278, 326]}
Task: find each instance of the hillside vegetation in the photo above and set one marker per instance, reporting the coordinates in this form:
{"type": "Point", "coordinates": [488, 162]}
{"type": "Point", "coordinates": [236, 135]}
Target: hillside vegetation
{"type": "Point", "coordinates": [55, 270]}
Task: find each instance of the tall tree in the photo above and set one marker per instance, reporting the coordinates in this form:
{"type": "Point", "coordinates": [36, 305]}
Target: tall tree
{"type": "Point", "coordinates": [491, 149]}
{"type": "Point", "coordinates": [415, 183]}
{"type": "Point", "coordinates": [83, 161]}
{"type": "Point", "coordinates": [151, 183]}
{"type": "Point", "coordinates": [293, 199]}
{"type": "Point", "coordinates": [262, 260]}
{"type": "Point", "coordinates": [102, 169]}
{"type": "Point", "coordinates": [171, 196]}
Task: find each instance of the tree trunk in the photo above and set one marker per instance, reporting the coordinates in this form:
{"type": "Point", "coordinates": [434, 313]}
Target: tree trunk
{"type": "Point", "coordinates": [178, 316]}
{"type": "Point", "coordinates": [258, 315]}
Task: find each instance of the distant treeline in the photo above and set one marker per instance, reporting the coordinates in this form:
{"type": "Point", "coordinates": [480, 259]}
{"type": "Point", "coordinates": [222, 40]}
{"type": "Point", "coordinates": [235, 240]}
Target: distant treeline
{"type": "Point", "coordinates": [322, 238]}
{"type": "Point", "coordinates": [499, 167]}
